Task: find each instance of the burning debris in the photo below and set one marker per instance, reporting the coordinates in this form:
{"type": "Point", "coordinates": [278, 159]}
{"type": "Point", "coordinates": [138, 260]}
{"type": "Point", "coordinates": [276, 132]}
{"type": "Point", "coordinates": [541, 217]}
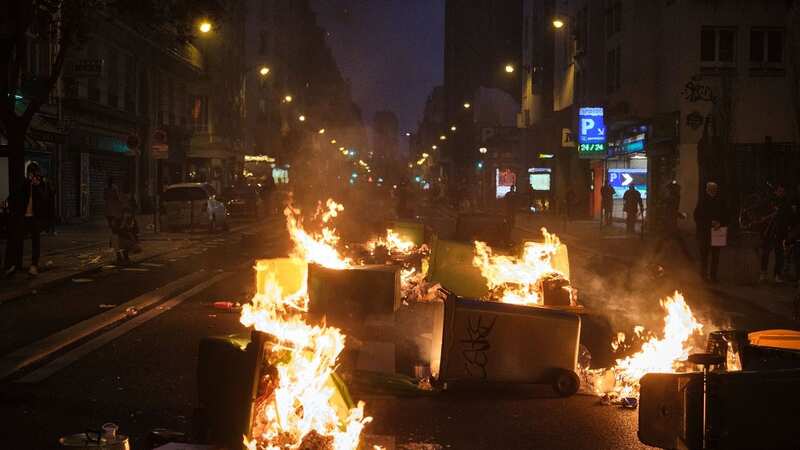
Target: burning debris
{"type": "Point", "coordinates": [665, 354]}
{"type": "Point", "coordinates": [300, 406]}
{"type": "Point", "coordinates": [395, 244]}
{"type": "Point", "coordinates": [523, 280]}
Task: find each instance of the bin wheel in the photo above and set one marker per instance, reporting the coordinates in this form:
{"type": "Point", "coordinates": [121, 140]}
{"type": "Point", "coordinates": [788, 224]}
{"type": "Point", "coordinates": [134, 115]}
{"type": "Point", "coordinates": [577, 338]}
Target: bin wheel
{"type": "Point", "coordinates": [566, 383]}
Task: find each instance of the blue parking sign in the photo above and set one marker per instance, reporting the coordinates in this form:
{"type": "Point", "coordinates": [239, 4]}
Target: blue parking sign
{"type": "Point", "coordinates": [591, 126]}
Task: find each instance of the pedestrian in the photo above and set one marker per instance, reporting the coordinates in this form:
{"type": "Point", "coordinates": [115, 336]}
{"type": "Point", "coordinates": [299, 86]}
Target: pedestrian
{"type": "Point", "coordinates": [510, 200]}
{"type": "Point", "coordinates": [773, 236]}
{"type": "Point", "coordinates": [127, 229]}
{"type": "Point", "coordinates": [113, 205]}
{"type": "Point", "coordinates": [27, 206]}
{"type": "Point", "coordinates": [267, 193]}
{"type": "Point", "coordinates": [632, 205]}
{"type": "Point", "coordinates": [709, 214]}
{"type": "Point", "coordinates": [671, 231]}
{"type": "Point", "coordinates": [606, 203]}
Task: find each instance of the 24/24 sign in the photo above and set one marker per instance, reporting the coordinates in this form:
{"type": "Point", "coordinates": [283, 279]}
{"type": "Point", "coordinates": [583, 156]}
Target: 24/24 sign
{"type": "Point", "coordinates": [592, 128]}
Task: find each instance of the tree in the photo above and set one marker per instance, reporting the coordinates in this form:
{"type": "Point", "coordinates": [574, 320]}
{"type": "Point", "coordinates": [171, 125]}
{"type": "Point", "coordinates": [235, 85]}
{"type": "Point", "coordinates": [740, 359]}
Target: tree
{"type": "Point", "coordinates": [67, 24]}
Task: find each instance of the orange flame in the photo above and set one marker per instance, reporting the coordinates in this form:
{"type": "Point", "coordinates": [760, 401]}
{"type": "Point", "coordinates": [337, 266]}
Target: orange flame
{"type": "Point", "coordinates": [318, 248]}
{"type": "Point", "coordinates": [664, 354]}
{"type": "Point", "coordinates": [518, 280]}
{"type": "Point", "coordinates": [302, 403]}
{"type": "Point", "coordinates": [393, 242]}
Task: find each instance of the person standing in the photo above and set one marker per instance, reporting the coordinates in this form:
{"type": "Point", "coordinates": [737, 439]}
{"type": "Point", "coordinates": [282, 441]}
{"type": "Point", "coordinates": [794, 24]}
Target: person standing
{"type": "Point", "coordinates": [672, 213]}
{"type": "Point", "coordinates": [27, 209]}
{"type": "Point", "coordinates": [774, 235]}
{"type": "Point", "coordinates": [632, 205]}
{"type": "Point", "coordinates": [606, 203]}
{"type": "Point", "coordinates": [709, 214]}
{"type": "Point", "coordinates": [113, 204]}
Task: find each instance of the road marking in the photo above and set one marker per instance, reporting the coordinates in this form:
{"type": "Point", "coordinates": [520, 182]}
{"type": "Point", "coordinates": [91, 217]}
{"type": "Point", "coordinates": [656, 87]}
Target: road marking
{"type": "Point", "coordinates": [39, 350]}
{"type": "Point", "coordinates": [151, 264]}
{"type": "Point", "coordinates": [136, 269]}
{"type": "Point", "coordinates": [103, 339]}
{"type": "Point", "coordinates": [82, 280]}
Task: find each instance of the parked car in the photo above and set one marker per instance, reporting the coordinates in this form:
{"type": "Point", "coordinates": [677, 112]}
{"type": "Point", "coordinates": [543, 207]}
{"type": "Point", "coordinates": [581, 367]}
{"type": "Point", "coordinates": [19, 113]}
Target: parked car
{"type": "Point", "coordinates": [193, 205]}
{"type": "Point", "coordinates": [244, 201]}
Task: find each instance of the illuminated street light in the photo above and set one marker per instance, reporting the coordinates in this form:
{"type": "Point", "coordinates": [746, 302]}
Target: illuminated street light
{"type": "Point", "coordinates": [467, 105]}
{"type": "Point", "coordinates": [483, 150]}
{"type": "Point", "coordinates": [558, 23]}
{"type": "Point", "coordinates": [288, 99]}
{"type": "Point", "coordinates": [264, 70]}
{"type": "Point", "coordinates": [321, 131]}
{"type": "Point", "coordinates": [434, 147]}
{"type": "Point", "coordinates": [408, 134]}
{"type": "Point", "coordinates": [453, 128]}
{"type": "Point", "coordinates": [425, 155]}
{"type": "Point", "coordinates": [509, 68]}
{"type": "Point", "coordinates": [301, 118]}
{"type": "Point", "coordinates": [333, 141]}
{"type": "Point", "coordinates": [341, 149]}
{"type": "Point", "coordinates": [205, 26]}
{"type": "Point", "coordinates": [442, 137]}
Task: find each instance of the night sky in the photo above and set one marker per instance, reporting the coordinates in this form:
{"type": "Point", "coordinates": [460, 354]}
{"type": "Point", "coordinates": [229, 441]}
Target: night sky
{"type": "Point", "coordinates": [391, 50]}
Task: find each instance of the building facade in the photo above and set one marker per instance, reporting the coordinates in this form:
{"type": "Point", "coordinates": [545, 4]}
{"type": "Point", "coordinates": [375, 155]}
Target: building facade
{"type": "Point", "coordinates": [690, 91]}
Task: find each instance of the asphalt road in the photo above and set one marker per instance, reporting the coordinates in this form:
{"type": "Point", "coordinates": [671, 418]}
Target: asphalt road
{"type": "Point", "coordinates": [145, 378]}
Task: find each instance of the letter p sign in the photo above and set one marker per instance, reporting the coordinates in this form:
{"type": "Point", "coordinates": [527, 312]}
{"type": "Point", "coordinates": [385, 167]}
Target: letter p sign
{"type": "Point", "coordinates": [586, 125]}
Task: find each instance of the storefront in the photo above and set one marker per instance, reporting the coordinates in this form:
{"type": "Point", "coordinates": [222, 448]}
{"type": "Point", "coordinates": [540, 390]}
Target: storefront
{"type": "Point", "coordinates": [627, 165]}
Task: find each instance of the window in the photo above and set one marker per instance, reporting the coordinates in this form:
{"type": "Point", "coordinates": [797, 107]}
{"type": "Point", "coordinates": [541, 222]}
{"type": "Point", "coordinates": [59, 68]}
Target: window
{"type": "Point", "coordinates": [766, 46]}
{"type": "Point", "coordinates": [113, 77]}
{"type": "Point", "coordinates": [613, 70]}
{"type": "Point", "coordinates": [613, 15]}
{"type": "Point", "coordinates": [718, 46]}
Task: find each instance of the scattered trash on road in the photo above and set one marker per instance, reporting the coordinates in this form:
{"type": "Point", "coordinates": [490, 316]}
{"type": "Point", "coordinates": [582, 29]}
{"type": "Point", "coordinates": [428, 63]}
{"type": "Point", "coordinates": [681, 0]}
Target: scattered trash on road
{"type": "Point", "coordinates": [131, 311]}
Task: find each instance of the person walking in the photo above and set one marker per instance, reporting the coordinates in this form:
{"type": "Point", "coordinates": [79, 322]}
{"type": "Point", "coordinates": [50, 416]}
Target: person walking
{"type": "Point", "coordinates": [632, 205]}
{"type": "Point", "coordinates": [127, 229]}
{"type": "Point", "coordinates": [606, 203]}
{"type": "Point", "coordinates": [775, 233]}
{"type": "Point", "coordinates": [709, 214]}
{"type": "Point", "coordinates": [113, 204]}
{"type": "Point", "coordinates": [27, 206]}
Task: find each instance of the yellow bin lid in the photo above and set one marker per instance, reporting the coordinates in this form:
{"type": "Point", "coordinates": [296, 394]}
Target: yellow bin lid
{"type": "Point", "coordinates": [787, 339]}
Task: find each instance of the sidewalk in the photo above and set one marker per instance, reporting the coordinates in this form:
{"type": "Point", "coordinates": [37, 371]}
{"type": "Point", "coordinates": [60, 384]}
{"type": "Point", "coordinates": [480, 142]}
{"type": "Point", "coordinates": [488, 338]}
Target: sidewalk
{"type": "Point", "coordinates": [738, 272]}
{"type": "Point", "coordinates": [79, 249]}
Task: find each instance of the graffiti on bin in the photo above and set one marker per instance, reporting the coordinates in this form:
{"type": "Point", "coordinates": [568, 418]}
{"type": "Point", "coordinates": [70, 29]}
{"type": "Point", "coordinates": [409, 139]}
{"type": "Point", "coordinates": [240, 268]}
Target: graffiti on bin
{"type": "Point", "coordinates": [475, 349]}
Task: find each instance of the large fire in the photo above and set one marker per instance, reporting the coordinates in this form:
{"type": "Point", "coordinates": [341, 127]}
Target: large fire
{"type": "Point", "coordinates": [298, 405]}
{"type": "Point", "coordinates": [666, 353]}
{"type": "Point", "coordinates": [318, 248]}
{"type": "Point", "coordinates": [518, 280]}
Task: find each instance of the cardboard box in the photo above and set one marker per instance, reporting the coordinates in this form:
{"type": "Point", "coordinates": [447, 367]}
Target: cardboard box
{"type": "Point", "coordinates": [489, 342]}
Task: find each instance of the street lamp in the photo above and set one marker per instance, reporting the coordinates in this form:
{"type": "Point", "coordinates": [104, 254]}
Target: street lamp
{"type": "Point", "coordinates": [558, 23]}
{"type": "Point", "coordinates": [301, 118]}
{"type": "Point", "coordinates": [264, 70]}
{"type": "Point", "coordinates": [453, 128]}
{"type": "Point", "coordinates": [205, 26]}
{"type": "Point", "coordinates": [321, 131]}
{"type": "Point", "coordinates": [333, 141]}
{"type": "Point", "coordinates": [483, 150]}
{"type": "Point", "coordinates": [434, 147]}
{"type": "Point", "coordinates": [288, 99]}
{"type": "Point", "coordinates": [442, 137]}
{"type": "Point", "coordinates": [467, 105]}
{"type": "Point", "coordinates": [509, 68]}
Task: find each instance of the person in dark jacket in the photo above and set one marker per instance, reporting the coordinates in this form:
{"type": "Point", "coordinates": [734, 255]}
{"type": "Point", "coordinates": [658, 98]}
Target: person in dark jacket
{"type": "Point", "coordinates": [672, 213]}
{"type": "Point", "coordinates": [27, 206]}
{"type": "Point", "coordinates": [709, 214]}
{"type": "Point", "coordinates": [606, 203]}
{"type": "Point", "coordinates": [632, 205]}
{"type": "Point", "coordinates": [773, 237]}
